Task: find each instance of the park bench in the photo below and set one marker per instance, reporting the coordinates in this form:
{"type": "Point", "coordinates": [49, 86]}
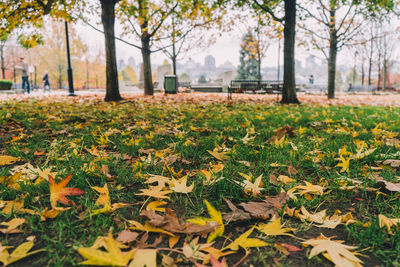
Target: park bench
{"type": "Point", "coordinates": [361, 88]}
{"type": "Point", "coordinates": [184, 84]}
{"type": "Point", "coordinates": [254, 86]}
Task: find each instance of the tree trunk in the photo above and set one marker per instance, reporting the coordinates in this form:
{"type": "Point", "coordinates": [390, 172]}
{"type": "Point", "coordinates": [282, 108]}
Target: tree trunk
{"type": "Point", "coordinates": [3, 69]}
{"type": "Point", "coordinates": [362, 71]}
{"type": "Point", "coordinates": [332, 65]}
{"type": "Point", "coordinates": [384, 74]}
{"type": "Point", "coordinates": [333, 43]}
{"type": "Point", "coordinates": [289, 32]}
{"type": "Point", "coordinates": [108, 20]}
{"type": "Point", "coordinates": [371, 53]}
{"type": "Point", "coordinates": [174, 56]}
{"type": "Point", "coordinates": [147, 76]}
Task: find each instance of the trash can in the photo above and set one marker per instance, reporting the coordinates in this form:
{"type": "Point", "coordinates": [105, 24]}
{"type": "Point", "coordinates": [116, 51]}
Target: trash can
{"type": "Point", "coordinates": [170, 84]}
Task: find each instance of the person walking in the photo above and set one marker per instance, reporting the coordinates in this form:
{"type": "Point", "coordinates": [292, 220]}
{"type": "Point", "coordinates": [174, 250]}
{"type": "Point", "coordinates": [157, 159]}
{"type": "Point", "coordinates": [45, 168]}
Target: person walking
{"type": "Point", "coordinates": [46, 82]}
{"type": "Point", "coordinates": [25, 76]}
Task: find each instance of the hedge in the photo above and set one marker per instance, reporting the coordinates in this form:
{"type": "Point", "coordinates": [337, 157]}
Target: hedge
{"type": "Point", "coordinates": [5, 84]}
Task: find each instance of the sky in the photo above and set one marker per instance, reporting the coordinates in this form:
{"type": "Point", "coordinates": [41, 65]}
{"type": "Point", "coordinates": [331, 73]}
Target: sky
{"type": "Point", "coordinates": [226, 48]}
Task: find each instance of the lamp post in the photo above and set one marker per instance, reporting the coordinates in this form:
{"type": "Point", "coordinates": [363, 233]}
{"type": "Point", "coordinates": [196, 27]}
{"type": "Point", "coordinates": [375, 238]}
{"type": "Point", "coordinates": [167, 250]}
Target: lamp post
{"type": "Point", "coordinates": [70, 78]}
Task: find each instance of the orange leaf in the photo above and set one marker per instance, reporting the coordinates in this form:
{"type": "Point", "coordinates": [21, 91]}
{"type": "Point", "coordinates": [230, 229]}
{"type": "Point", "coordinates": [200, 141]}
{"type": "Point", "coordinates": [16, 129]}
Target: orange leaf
{"type": "Point", "coordinates": [58, 192]}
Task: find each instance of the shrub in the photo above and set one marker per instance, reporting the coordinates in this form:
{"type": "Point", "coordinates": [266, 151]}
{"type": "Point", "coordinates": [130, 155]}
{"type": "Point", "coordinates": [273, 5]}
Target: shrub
{"type": "Point", "coordinates": [5, 84]}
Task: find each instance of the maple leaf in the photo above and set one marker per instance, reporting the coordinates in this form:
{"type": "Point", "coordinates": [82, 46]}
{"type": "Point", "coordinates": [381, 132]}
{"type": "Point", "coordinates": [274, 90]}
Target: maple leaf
{"type": "Point", "coordinates": [144, 257]}
{"type": "Point", "coordinates": [179, 186]}
{"type": "Point", "coordinates": [215, 216]}
{"type": "Point", "coordinates": [275, 228]}
{"type": "Point", "coordinates": [113, 256]}
{"type": "Point", "coordinates": [310, 189]}
{"type": "Point", "coordinates": [214, 262]}
{"type": "Point", "coordinates": [222, 156]}
{"type": "Point", "coordinates": [192, 250]}
{"type": "Point", "coordinates": [155, 205]}
{"type": "Point", "coordinates": [12, 226]}
{"type": "Point", "coordinates": [344, 164]}
{"type": "Point", "coordinates": [8, 160]}
{"type": "Point", "coordinates": [162, 181]}
{"type": "Point", "coordinates": [58, 192]}
{"type": "Point", "coordinates": [147, 228]}
{"type": "Point", "coordinates": [171, 223]}
{"type": "Point", "coordinates": [155, 191]}
{"type": "Point", "coordinates": [20, 252]}
{"type": "Point", "coordinates": [250, 188]}
{"type": "Point", "coordinates": [245, 242]}
{"type": "Point", "coordinates": [333, 250]}
{"type": "Point", "coordinates": [387, 222]}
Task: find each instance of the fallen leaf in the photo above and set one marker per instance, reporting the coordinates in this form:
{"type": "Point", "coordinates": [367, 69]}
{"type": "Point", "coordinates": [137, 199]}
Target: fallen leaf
{"type": "Point", "coordinates": [333, 250]}
{"type": "Point", "coordinates": [154, 205]}
{"type": "Point", "coordinates": [20, 252]}
{"type": "Point", "coordinates": [236, 214]}
{"type": "Point", "coordinates": [394, 163]}
{"type": "Point", "coordinates": [267, 208]}
{"type": "Point", "coordinates": [112, 256]}
{"type": "Point", "coordinates": [275, 228]}
{"type": "Point", "coordinates": [310, 189]}
{"type": "Point", "coordinates": [387, 222]}
{"type": "Point", "coordinates": [179, 186]}
{"type": "Point", "coordinates": [245, 242]}
{"type": "Point", "coordinates": [147, 228]}
{"type": "Point", "coordinates": [8, 160]}
{"type": "Point", "coordinates": [155, 191]}
{"type": "Point", "coordinates": [282, 132]}
{"type": "Point", "coordinates": [127, 236]}
{"type": "Point", "coordinates": [144, 257]}
{"type": "Point", "coordinates": [171, 223]}
{"type": "Point", "coordinates": [58, 192]}
{"type": "Point", "coordinates": [12, 226]}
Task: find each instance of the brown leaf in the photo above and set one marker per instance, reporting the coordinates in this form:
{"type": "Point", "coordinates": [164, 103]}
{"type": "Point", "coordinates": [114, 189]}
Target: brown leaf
{"type": "Point", "coordinates": [236, 214]}
{"type": "Point", "coordinates": [273, 179]}
{"type": "Point", "coordinates": [394, 163]}
{"type": "Point", "coordinates": [279, 133]}
{"type": "Point", "coordinates": [267, 208]}
{"type": "Point", "coordinates": [171, 223]}
{"type": "Point", "coordinates": [127, 236]}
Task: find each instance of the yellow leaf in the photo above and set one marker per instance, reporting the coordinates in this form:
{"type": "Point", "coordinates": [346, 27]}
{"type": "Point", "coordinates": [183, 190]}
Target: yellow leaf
{"type": "Point", "coordinates": [245, 242]}
{"type": "Point", "coordinates": [155, 191]}
{"type": "Point", "coordinates": [12, 226]}
{"type": "Point", "coordinates": [222, 156]}
{"type": "Point", "coordinates": [104, 198]}
{"type": "Point", "coordinates": [147, 228]}
{"type": "Point", "coordinates": [144, 258]}
{"type": "Point", "coordinates": [8, 160]}
{"type": "Point", "coordinates": [275, 228]}
{"type": "Point", "coordinates": [338, 253]}
{"type": "Point", "coordinates": [20, 252]}
{"type": "Point", "coordinates": [113, 256]}
{"type": "Point", "coordinates": [154, 205]}
{"type": "Point", "coordinates": [179, 186]}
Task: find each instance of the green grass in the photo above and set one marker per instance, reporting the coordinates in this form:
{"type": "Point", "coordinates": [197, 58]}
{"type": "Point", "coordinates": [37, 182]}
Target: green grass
{"type": "Point", "coordinates": [64, 131]}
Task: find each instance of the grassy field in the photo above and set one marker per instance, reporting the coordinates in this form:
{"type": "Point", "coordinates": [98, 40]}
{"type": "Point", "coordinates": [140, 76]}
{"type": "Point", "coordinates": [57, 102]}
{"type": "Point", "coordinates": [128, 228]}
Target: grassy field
{"type": "Point", "coordinates": [130, 157]}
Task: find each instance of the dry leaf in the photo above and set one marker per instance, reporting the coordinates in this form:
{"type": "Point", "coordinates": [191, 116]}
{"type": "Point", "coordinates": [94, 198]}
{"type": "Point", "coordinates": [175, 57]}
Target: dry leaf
{"type": "Point", "coordinates": [127, 236]}
{"type": "Point", "coordinates": [335, 251]}
{"type": "Point", "coordinates": [58, 192]}
{"type": "Point", "coordinates": [8, 160]}
{"type": "Point", "coordinates": [170, 223]}
{"type": "Point", "coordinates": [281, 132]}
{"type": "Point", "coordinates": [112, 256]}
{"type": "Point", "coordinates": [179, 186]}
{"type": "Point", "coordinates": [245, 242]}
{"type": "Point", "coordinates": [144, 257]}
{"type": "Point", "coordinates": [12, 226]}
{"type": "Point", "coordinates": [20, 252]}
{"type": "Point", "coordinates": [275, 228]}
{"type": "Point", "coordinates": [267, 208]}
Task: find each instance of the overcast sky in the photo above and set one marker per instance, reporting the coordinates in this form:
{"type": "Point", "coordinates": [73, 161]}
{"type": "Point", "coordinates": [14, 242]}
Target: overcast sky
{"type": "Point", "coordinates": [226, 48]}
